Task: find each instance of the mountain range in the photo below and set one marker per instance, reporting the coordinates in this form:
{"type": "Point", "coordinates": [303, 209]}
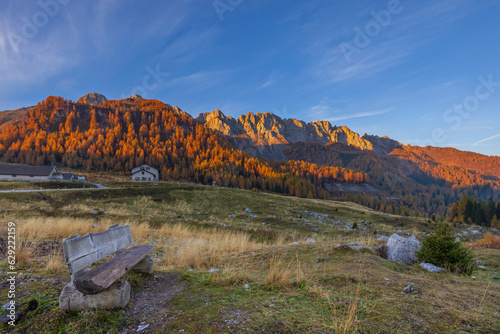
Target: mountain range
{"type": "Point", "coordinates": [314, 159]}
{"type": "Point", "coordinates": [267, 135]}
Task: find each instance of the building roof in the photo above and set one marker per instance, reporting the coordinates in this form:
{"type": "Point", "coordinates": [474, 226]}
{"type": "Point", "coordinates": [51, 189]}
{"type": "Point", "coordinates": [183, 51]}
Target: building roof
{"type": "Point", "coordinates": [25, 170]}
{"type": "Point", "coordinates": [68, 176]}
{"type": "Point", "coordinates": [144, 165]}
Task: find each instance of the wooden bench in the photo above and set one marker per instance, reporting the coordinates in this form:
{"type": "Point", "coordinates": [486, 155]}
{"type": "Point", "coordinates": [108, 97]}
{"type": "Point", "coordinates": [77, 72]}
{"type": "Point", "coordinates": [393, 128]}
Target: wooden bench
{"type": "Point", "coordinates": [80, 252]}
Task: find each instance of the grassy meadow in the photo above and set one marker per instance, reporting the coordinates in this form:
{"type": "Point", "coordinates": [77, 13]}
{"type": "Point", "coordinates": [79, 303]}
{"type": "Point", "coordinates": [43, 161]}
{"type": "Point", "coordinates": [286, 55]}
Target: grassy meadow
{"type": "Point", "coordinates": [268, 279]}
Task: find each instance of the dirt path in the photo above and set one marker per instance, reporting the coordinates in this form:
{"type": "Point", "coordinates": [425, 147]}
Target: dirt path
{"type": "Point", "coordinates": [150, 304]}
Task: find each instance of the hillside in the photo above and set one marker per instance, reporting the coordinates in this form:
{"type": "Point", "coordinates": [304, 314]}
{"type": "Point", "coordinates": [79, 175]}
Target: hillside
{"type": "Point", "coordinates": [117, 135]}
{"type": "Point", "coordinates": [315, 159]}
{"type": "Point", "coordinates": [236, 261]}
{"type": "Point", "coordinates": [417, 179]}
{"type": "Point", "coordinates": [268, 135]}
{"type": "Point", "coordinates": [12, 117]}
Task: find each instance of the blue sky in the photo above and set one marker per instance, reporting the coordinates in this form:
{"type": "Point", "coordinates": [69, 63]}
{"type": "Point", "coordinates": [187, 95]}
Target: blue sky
{"type": "Point", "coordinates": [422, 72]}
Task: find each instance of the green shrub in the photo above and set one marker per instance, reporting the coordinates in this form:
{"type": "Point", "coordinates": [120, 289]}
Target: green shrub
{"type": "Point", "coordinates": [355, 226]}
{"type": "Point", "coordinates": [441, 250]}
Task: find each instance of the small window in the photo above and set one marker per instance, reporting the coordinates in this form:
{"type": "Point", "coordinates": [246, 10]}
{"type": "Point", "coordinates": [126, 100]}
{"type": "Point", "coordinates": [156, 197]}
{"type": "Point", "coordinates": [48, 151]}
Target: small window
{"type": "Point", "coordinates": [14, 175]}
{"type": "Point", "coordinates": [142, 173]}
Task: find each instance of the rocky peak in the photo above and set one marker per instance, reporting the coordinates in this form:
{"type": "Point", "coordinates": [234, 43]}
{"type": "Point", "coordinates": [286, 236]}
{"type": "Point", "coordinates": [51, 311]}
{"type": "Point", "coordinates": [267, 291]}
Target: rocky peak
{"type": "Point", "coordinates": [265, 134]}
{"type": "Point", "coordinates": [180, 111]}
{"type": "Point", "coordinates": [92, 99]}
{"type": "Point", "coordinates": [217, 121]}
{"type": "Point", "coordinates": [382, 145]}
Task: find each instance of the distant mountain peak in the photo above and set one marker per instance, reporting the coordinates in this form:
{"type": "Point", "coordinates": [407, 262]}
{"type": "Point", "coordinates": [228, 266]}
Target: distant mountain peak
{"type": "Point", "coordinates": [92, 99]}
{"type": "Point", "coordinates": [267, 135]}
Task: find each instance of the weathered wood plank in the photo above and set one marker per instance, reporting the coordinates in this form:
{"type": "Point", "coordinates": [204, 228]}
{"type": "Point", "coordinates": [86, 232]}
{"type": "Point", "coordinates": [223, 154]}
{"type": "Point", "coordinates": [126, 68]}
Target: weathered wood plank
{"type": "Point", "coordinates": [102, 276]}
{"type": "Point", "coordinates": [81, 252]}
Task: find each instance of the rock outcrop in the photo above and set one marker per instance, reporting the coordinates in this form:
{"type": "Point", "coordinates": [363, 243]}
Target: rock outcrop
{"type": "Point", "coordinates": [382, 145]}
{"type": "Point", "coordinates": [92, 98]}
{"type": "Point", "coordinates": [402, 249]}
{"type": "Point", "coordinates": [266, 135]}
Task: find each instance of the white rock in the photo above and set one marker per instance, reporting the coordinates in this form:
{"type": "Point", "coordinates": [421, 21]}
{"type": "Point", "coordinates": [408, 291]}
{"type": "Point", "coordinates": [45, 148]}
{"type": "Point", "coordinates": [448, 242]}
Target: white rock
{"type": "Point", "coordinates": [247, 210]}
{"type": "Point", "coordinates": [142, 327]}
{"type": "Point", "coordinates": [430, 267]}
{"type": "Point", "coordinates": [457, 239]}
{"type": "Point", "coordinates": [481, 267]}
{"type": "Point", "coordinates": [294, 243]}
{"type": "Point", "coordinates": [310, 240]}
{"type": "Point", "coordinates": [475, 232]}
{"type": "Point", "coordinates": [213, 270]}
{"type": "Point", "coordinates": [409, 288]}
{"type": "Point", "coordinates": [402, 249]}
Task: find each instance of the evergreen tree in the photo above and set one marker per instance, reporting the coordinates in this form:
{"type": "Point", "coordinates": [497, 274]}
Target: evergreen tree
{"type": "Point", "coordinates": [441, 250]}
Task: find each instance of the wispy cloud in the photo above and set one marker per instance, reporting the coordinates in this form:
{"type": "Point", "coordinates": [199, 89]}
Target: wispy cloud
{"type": "Point", "coordinates": [416, 26]}
{"type": "Point", "coordinates": [360, 115]}
{"type": "Point", "coordinates": [271, 80]}
{"type": "Point", "coordinates": [487, 139]}
{"type": "Point", "coordinates": [199, 80]}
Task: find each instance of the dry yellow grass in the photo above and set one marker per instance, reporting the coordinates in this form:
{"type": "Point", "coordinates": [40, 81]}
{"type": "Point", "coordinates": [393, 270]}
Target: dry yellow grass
{"type": "Point", "coordinates": [185, 247]}
{"type": "Point", "coordinates": [55, 262]}
{"type": "Point", "coordinates": [48, 228]}
{"type": "Point", "coordinates": [345, 321]}
{"type": "Point", "coordinates": [24, 251]}
{"type": "Point", "coordinates": [279, 275]}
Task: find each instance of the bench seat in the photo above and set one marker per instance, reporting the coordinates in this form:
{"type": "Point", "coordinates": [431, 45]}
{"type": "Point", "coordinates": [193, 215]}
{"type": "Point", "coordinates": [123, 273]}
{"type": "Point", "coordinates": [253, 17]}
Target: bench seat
{"type": "Point", "coordinates": [104, 275]}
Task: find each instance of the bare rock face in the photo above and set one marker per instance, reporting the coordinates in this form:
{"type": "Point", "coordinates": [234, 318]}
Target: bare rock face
{"type": "Point", "coordinates": [116, 296]}
{"type": "Point", "coordinates": [93, 99]}
{"type": "Point", "coordinates": [402, 249]}
{"type": "Point", "coordinates": [267, 135]}
{"type": "Point", "coordinates": [382, 145]}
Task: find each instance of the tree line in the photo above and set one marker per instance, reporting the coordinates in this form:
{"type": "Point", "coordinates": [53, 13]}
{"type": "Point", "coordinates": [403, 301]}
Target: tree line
{"type": "Point", "coordinates": [471, 211]}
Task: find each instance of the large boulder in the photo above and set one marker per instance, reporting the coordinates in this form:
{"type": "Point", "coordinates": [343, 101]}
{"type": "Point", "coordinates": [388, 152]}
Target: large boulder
{"type": "Point", "coordinates": [116, 296]}
{"type": "Point", "coordinates": [402, 249]}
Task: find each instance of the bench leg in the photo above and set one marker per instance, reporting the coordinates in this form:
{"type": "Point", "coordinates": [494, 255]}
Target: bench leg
{"type": "Point", "coordinates": [116, 296]}
{"type": "Point", "coordinates": [145, 265]}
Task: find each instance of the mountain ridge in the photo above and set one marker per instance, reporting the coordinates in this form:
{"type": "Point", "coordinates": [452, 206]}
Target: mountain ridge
{"type": "Point", "coordinates": [265, 130]}
{"type": "Point", "coordinates": [116, 135]}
